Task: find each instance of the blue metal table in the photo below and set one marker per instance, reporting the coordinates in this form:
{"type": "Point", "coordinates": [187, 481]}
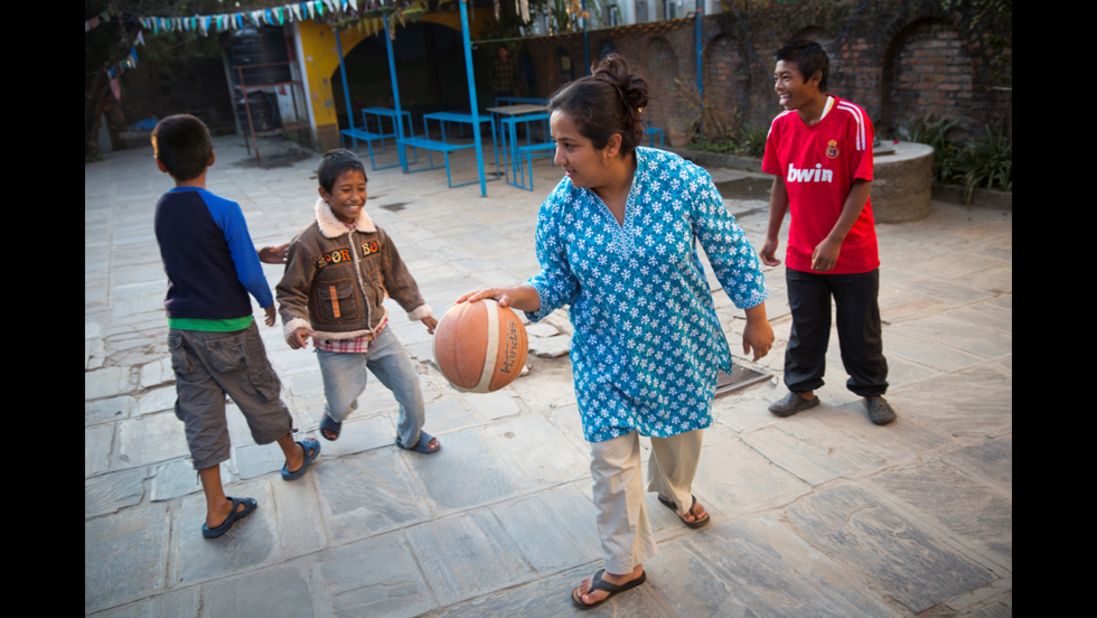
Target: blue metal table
{"type": "Point", "coordinates": [511, 150]}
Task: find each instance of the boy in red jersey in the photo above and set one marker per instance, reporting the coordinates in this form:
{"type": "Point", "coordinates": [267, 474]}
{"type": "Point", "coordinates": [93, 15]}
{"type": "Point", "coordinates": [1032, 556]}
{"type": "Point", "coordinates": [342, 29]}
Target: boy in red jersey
{"type": "Point", "coordinates": [820, 150]}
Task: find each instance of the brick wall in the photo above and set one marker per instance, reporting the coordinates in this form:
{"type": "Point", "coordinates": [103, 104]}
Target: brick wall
{"type": "Point", "coordinates": [898, 59]}
{"type": "Point", "coordinates": [929, 71]}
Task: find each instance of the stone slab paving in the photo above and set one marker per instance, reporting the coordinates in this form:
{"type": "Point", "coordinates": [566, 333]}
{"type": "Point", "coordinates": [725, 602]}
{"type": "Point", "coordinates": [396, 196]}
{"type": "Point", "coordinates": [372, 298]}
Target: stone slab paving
{"type": "Point", "coordinates": [854, 526]}
{"type": "Point", "coordinates": [108, 493]}
{"type": "Point", "coordinates": [970, 401]}
{"type": "Point", "coordinates": [757, 566]}
{"type": "Point", "coordinates": [968, 508]}
{"type": "Point", "coordinates": [179, 603]}
{"type": "Point", "coordinates": [841, 443]}
{"type": "Point", "coordinates": [149, 439]}
{"type": "Point", "coordinates": [249, 544]}
{"type": "Point", "coordinates": [125, 558]}
{"type": "Point", "coordinates": [819, 514]}
{"type": "Point", "coordinates": [282, 592]}
{"type": "Point", "coordinates": [178, 477]}
{"type": "Point", "coordinates": [375, 577]}
{"type": "Point", "coordinates": [98, 440]}
{"type": "Point", "coordinates": [553, 529]}
{"type": "Point", "coordinates": [467, 555]}
{"type": "Point", "coordinates": [368, 493]}
{"type": "Point", "coordinates": [990, 461]}
{"type": "Point", "coordinates": [757, 484]}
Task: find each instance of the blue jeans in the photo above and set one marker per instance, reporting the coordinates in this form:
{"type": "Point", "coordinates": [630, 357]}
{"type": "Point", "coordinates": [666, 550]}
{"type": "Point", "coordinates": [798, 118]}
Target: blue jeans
{"type": "Point", "coordinates": [345, 379]}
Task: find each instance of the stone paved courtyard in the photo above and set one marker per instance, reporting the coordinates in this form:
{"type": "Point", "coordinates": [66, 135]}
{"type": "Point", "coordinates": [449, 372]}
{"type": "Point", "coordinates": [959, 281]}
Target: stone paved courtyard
{"type": "Point", "coordinates": [820, 514]}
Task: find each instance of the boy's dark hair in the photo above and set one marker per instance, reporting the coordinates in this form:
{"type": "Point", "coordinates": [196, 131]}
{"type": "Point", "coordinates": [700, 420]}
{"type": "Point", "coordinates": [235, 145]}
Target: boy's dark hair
{"type": "Point", "coordinates": [183, 144]}
{"type": "Point", "coordinates": [610, 100]}
{"type": "Point", "coordinates": [336, 163]}
{"type": "Point", "coordinates": [810, 58]}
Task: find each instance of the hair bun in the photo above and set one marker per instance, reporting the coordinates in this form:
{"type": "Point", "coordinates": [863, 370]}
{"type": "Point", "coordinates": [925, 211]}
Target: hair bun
{"type": "Point", "coordinates": [613, 68]}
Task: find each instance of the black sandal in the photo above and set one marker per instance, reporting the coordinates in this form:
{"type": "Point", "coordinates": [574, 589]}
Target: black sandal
{"type": "Point", "coordinates": [597, 583]}
{"type": "Point", "coordinates": [697, 523]}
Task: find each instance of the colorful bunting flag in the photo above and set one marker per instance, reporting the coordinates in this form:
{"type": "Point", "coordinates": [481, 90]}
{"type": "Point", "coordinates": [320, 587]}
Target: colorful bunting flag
{"type": "Point", "coordinates": [273, 16]}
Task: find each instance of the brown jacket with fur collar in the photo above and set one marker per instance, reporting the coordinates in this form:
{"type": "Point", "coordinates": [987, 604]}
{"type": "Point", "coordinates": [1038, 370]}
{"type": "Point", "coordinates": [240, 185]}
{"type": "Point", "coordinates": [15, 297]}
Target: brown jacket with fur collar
{"type": "Point", "coordinates": [336, 279]}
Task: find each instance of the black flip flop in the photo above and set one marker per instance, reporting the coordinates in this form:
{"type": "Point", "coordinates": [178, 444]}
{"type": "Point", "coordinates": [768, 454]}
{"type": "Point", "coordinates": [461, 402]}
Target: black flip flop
{"type": "Point", "coordinates": [597, 583]}
{"type": "Point", "coordinates": [667, 502]}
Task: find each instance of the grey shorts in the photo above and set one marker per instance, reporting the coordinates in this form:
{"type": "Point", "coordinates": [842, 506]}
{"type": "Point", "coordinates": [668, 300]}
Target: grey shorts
{"type": "Point", "coordinates": [210, 365]}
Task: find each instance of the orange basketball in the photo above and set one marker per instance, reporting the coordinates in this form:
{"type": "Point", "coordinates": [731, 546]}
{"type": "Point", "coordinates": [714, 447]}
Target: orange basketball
{"type": "Point", "coordinates": [480, 347]}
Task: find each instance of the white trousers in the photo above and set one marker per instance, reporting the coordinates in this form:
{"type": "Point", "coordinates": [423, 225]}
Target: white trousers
{"type": "Point", "coordinates": [627, 539]}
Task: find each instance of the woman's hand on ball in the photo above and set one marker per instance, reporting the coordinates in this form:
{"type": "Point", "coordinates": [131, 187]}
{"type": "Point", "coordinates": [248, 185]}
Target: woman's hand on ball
{"type": "Point", "coordinates": [498, 294]}
{"type": "Point", "coordinates": [521, 297]}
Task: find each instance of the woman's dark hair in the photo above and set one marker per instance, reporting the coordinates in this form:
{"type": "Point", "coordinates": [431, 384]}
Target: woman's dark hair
{"type": "Point", "coordinates": [609, 101]}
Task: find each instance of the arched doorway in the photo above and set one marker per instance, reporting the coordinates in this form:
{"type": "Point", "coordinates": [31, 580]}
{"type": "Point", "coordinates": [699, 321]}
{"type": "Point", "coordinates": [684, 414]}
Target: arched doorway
{"type": "Point", "coordinates": [928, 71]}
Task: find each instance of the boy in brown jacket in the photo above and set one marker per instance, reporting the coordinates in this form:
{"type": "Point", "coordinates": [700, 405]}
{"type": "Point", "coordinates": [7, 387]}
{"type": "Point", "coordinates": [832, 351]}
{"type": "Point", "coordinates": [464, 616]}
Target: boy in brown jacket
{"type": "Point", "coordinates": [339, 271]}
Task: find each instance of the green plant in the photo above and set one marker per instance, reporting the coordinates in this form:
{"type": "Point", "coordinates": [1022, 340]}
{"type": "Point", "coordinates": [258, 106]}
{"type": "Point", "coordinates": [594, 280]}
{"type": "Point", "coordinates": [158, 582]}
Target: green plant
{"type": "Point", "coordinates": [927, 130]}
{"type": "Point", "coordinates": [986, 163]}
{"type": "Point", "coordinates": [749, 141]}
{"type": "Point", "coordinates": [753, 141]}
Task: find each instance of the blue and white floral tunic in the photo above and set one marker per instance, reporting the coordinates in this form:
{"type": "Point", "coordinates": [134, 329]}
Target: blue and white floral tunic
{"type": "Point", "coordinates": [647, 343]}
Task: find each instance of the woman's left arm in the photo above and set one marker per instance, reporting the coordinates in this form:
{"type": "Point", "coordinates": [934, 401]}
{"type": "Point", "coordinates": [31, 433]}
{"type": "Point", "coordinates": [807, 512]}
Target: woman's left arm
{"type": "Point", "coordinates": [734, 261]}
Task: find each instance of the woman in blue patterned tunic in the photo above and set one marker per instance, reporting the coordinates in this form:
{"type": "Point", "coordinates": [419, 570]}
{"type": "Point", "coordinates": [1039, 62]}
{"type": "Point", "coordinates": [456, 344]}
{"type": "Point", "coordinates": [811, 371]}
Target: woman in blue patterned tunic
{"type": "Point", "coordinates": [616, 240]}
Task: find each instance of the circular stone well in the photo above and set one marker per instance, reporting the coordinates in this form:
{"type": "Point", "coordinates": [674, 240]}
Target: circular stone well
{"type": "Point", "coordinates": [903, 181]}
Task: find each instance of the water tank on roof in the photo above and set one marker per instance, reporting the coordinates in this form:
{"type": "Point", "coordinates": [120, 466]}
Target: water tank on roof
{"type": "Point", "coordinates": [257, 46]}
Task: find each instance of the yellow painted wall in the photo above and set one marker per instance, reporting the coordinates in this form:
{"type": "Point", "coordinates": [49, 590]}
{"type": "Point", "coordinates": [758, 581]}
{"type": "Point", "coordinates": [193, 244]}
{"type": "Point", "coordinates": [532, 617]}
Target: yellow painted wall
{"type": "Point", "coordinates": [322, 60]}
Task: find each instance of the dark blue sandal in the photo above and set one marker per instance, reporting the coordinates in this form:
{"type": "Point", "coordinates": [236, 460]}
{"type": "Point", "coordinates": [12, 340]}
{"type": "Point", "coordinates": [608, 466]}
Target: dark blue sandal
{"type": "Point", "coordinates": [237, 514]}
{"type": "Point", "coordinates": [421, 446]}
{"type": "Point", "coordinates": [330, 425]}
{"type": "Point", "coordinates": [312, 451]}
{"type": "Point", "coordinates": [597, 583]}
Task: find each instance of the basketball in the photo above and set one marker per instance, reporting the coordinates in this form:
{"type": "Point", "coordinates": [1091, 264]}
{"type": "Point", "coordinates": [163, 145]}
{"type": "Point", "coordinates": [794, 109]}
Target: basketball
{"type": "Point", "coordinates": [480, 347]}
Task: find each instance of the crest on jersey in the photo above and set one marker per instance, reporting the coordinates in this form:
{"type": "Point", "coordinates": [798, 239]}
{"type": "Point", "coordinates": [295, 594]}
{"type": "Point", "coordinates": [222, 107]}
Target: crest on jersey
{"type": "Point", "coordinates": [832, 148]}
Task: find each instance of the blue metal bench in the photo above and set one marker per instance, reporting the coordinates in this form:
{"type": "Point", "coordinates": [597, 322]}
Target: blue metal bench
{"type": "Point", "coordinates": [364, 135]}
{"type": "Point", "coordinates": [367, 135]}
{"type": "Point", "coordinates": [443, 146]}
{"type": "Point", "coordinates": [528, 152]}
{"type": "Point", "coordinates": [432, 145]}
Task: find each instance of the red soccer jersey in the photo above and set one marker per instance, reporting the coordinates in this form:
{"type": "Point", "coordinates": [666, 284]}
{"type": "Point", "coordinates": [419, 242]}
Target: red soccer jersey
{"type": "Point", "coordinates": [818, 165]}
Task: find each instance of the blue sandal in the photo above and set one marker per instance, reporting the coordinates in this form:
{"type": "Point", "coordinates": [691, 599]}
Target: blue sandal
{"type": "Point", "coordinates": [421, 446]}
{"type": "Point", "coordinates": [236, 515]}
{"type": "Point", "coordinates": [330, 425]}
{"type": "Point", "coordinates": [312, 451]}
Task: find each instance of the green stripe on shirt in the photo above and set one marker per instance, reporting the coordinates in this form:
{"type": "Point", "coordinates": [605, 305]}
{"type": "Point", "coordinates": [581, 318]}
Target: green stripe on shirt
{"type": "Point", "coordinates": [211, 326]}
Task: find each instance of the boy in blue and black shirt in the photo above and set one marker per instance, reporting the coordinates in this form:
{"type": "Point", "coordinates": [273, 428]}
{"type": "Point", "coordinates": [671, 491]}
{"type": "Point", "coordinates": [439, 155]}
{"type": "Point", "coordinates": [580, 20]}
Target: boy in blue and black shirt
{"type": "Point", "coordinates": [215, 347]}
